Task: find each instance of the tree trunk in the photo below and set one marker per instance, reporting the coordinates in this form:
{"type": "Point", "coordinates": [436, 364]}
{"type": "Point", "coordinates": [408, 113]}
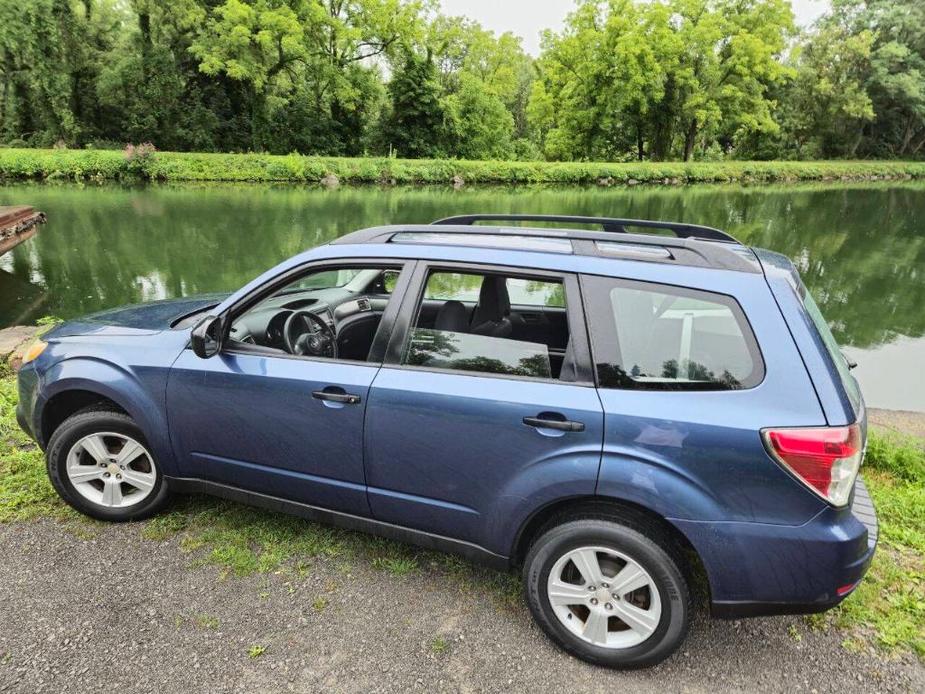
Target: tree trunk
{"type": "Point", "coordinates": [640, 143]}
{"type": "Point", "coordinates": [689, 139]}
{"type": "Point", "coordinates": [908, 132]}
{"type": "Point", "coordinates": [144, 27]}
{"type": "Point", "coordinates": [919, 146]}
{"type": "Point", "coordinates": [852, 152]}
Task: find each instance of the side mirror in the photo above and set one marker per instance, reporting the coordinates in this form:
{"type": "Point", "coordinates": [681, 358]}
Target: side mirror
{"type": "Point", "coordinates": [206, 337]}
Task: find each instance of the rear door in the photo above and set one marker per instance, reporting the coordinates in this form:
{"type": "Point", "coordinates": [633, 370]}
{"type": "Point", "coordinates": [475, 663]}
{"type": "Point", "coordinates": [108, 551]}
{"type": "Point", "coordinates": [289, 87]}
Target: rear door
{"type": "Point", "coordinates": [466, 433]}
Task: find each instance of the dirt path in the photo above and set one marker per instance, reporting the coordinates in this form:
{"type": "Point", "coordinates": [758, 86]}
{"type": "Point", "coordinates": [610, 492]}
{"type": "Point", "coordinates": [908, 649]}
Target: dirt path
{"type": "Point", "coordinates": [116, 612]}
{"type": "Point", "coordinates": [900, 421]}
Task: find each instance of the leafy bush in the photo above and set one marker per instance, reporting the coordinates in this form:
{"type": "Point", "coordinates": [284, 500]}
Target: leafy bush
{"type": "Point", "coordinates": [140, 160]}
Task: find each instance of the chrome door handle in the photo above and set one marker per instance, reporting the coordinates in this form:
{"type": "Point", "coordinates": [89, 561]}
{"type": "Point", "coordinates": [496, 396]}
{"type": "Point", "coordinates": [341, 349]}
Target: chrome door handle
{"type": "Point", "coordinates": [343, 398]}
{"type": "Point", "coordinates": [557, 424]}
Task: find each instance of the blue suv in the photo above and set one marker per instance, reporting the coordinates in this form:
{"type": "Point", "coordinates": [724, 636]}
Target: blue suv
{"type": "Point", "coordinates": [616, 411]}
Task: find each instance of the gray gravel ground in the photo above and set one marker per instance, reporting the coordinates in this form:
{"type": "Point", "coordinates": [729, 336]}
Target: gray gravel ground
{"type": "Point", "coordinates": [115, 612]}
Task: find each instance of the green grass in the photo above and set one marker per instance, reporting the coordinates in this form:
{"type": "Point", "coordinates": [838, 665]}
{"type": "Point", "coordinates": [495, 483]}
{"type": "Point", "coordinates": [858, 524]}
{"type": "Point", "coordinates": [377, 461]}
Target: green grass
{"type": "Point", "coordinates": [887, 610]}
{"type": "Point", "coordinates": [184, 166]}
{"type": "Point", "coordinates": [24, 488]}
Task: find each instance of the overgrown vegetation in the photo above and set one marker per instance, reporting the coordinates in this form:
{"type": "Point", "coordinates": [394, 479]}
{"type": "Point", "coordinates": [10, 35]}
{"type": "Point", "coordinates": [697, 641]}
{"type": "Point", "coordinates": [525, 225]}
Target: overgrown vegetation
{"type": "Point", "coordinates": [179, 166]}
{"type": "Point", "coordinates": [623, 80]}
{"type": "Point", "coordinates": [889, 605]}
{"type": "Point", "coordinates": [888, 609]}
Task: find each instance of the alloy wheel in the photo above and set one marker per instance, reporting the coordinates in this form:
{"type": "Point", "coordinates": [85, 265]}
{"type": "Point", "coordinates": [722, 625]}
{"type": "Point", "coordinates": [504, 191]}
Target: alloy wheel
{"type": "Point", "coordinates": [111, 470]}
{"type": "Point", "coordinates": [604, 597]}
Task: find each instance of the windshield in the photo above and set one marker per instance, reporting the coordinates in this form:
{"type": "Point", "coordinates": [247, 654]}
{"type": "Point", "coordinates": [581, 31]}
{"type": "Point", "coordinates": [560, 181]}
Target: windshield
{"type": "Point", "coordinates": [327, 279]}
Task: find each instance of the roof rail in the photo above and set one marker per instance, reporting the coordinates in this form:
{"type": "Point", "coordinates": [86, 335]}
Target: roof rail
{"type": "Point", "coordinates": [683, 231]}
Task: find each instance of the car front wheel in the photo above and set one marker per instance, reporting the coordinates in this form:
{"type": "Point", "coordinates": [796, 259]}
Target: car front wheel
{"type": "Point", "coordinates": [100, 463]}
{"type": "Point", "coordinates": [608, 593]}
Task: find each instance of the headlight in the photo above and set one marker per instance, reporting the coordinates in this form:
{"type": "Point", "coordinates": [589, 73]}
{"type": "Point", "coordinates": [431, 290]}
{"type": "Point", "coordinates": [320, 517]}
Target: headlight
{"type": "Point", "coordinates": [34, 351]}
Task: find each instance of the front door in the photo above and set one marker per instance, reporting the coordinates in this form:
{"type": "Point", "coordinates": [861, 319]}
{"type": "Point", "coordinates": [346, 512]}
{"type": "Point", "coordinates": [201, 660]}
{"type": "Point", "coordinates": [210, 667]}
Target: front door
{"type": "Point", "coordinates": [468, 426]}
{"type": "Point", "coordinates": [277, 412]}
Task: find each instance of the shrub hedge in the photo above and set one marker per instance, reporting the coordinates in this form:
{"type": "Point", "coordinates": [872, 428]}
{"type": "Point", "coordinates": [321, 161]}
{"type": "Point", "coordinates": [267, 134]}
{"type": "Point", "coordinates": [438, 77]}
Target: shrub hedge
{"type": "Point", "coordinates": [182, 166]}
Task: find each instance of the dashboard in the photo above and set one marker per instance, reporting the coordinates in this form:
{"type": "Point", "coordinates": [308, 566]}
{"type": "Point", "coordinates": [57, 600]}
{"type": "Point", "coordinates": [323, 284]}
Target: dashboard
{"type": "Point", "coordinates": [264, 324]}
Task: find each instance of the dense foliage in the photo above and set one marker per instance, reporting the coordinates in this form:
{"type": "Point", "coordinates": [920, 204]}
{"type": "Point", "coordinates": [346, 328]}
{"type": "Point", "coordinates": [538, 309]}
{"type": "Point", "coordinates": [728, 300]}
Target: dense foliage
{"type": "Point", "coordinates": [623, 80]}
{"type": "Point", "coordinates": [97, 164]}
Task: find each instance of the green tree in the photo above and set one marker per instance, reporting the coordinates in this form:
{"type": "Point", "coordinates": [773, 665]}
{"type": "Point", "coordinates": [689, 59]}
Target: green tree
{"type": "Point", "coordinates": [478, 124]}
{"type": "Point", "coordinates": [413, 123]}
{"type": "Point", "coordinates": [463, 47]}
{"type": "Point", "coordinates": [895, 78]}
{"type": "Point", "coordinates": [48, 56]}
{"type": "Point", "coordinates": [149, 88]}
{"type": "Point", "coordinates": [653, 78]}
{"type": "Point", "coordinates": [828, 103]}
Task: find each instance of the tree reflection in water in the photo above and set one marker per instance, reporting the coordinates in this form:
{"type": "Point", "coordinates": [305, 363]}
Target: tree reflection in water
{"type": "Point", "coordinates": [859, 248]}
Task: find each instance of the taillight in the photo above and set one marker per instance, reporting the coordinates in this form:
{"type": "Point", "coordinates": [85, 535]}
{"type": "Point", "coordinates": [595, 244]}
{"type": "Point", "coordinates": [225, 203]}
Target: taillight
{"type": "Point", "coordinates": [825, 459]}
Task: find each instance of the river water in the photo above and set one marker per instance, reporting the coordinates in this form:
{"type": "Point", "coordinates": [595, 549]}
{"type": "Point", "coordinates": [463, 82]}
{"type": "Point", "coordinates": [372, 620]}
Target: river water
{"type": "Point", "coordinates": [859, 248]}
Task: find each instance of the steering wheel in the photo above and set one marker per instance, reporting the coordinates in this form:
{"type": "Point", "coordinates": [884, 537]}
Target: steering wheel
{"type": "Point", "coordinates": [306, 334]}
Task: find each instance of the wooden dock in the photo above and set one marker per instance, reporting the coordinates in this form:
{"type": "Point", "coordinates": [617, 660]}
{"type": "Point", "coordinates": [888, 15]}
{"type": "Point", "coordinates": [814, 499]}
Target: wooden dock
{"type": "Point", "coordinates": [17, 224]}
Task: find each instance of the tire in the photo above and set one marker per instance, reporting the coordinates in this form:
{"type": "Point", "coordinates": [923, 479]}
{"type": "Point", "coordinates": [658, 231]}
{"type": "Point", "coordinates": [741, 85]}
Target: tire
{"type": "Point", "coordinates": [658, 610]}
{"type": "Point", "coordinates": [73, 456]}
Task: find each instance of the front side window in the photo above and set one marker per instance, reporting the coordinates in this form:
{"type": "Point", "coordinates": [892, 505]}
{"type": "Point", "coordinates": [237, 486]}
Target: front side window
{"type": "Point", "coordinates": [490, 323]}
{"type": "Point", "coordinates": [658, 337]}
{"type": "Point", "coordinates": [328, 312]}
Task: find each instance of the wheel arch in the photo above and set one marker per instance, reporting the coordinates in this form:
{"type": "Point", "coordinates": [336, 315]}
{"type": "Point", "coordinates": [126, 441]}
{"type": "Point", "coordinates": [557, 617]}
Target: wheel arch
{"type": "Point", "coordinates": [74, 384]}
{"type": "Point", "coordinates": [65, 403]}
{"type": "Point", "coordinates": [562, 510]}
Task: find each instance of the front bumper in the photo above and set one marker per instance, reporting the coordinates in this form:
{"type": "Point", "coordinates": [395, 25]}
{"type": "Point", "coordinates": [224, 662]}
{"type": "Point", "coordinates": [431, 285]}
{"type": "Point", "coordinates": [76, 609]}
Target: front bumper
{"type": "Point", "coordinates": [759, 569]}
{"type": "Point", "coordinates": [27, 384]}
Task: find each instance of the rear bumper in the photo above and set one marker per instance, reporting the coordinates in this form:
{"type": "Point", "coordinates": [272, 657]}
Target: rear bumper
{"type": "Point", "coordinates": [759, 569]}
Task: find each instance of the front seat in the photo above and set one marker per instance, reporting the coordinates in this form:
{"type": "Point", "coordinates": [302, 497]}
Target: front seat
{"type": "Point", "coordinates": [452, 317]}
{"type": "Point", "coordinates": [355, 335]}
{"type": "Point", "coordinates": [492, 315]}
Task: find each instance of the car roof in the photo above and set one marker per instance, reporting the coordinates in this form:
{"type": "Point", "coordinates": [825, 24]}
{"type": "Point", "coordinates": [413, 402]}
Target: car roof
{"type": "Point", "coordinates": [691, 245]}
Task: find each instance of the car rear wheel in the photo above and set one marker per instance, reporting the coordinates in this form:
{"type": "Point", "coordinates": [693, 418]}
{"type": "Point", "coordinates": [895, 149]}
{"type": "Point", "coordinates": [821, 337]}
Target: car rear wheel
{"type": "Point", "coordinates": [100, 463]}
{"type": "Point", "coordinates": [608, 593]}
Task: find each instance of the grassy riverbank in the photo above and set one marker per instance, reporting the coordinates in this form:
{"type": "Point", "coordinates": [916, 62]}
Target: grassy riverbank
{"type": "Point", "coordinates": [18, 164]}
{"type": "Point", "coordinates": [886, 612]}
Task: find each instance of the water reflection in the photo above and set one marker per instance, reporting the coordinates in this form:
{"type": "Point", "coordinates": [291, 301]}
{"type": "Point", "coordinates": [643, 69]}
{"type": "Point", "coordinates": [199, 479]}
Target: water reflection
{"type": "Point", "coordinates": [859, 248]}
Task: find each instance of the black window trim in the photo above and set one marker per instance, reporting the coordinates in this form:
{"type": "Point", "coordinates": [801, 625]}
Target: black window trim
{"type": "Point", "coordinates": [594, 317]}
{"type": "Point", "coordinates": [414, 296]}
{"type": "Point", "coordinates": [380, 340]}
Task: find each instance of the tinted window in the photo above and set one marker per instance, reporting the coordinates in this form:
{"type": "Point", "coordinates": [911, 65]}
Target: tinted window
{"type": "Point", "coordinates": [491, 323]}
{"type": "Point", "coordinates": [652, 336]}
{"type": "Point", "coordinates": [831, 345]}
{"type": "Point", "coordinates": [444, 349]}
{"type": "Point", "coordinates": [465, 287]}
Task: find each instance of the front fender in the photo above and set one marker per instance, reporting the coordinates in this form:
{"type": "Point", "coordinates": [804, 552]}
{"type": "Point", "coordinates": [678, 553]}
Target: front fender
{"type": "Point", "coordinates": [140, 395]}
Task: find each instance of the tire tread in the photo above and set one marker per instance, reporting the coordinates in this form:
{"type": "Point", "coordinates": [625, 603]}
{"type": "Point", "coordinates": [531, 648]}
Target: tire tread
{"type": "Point", "coordinates": [92, 414]}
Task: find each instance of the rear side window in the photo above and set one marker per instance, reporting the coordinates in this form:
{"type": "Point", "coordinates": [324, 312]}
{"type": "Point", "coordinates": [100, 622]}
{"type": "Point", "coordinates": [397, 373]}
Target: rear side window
{"type": "Point", "coordinates": [491, 323]}
{"type": "Point", "coordinates": [660, 337]}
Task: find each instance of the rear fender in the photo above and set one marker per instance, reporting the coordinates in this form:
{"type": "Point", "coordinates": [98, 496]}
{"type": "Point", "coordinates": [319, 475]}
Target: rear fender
{"type": "Point", "coordinates": [571, 474]}
{"type": "Point", "coordinates": [655, 485]}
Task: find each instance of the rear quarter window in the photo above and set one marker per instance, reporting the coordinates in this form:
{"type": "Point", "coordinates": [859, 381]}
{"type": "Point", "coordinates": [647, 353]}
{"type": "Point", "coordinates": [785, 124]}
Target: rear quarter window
{"type": "Point", "coordinates": [831, 345]}
{"type": "Point", "coordinates": [650, 336]}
